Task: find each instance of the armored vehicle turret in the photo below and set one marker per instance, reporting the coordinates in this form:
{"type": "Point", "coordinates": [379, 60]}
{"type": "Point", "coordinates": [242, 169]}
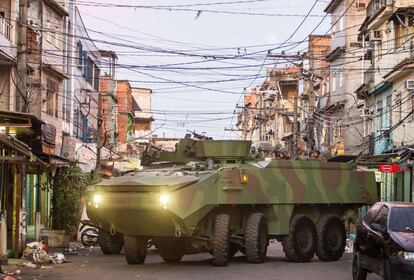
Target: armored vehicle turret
{"type": "Point", "coordinates": [211, 196]}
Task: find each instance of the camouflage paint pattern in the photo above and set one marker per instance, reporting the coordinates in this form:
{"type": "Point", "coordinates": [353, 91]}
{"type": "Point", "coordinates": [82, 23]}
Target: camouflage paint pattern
{"type": "Point", "coordinates": [278, 188]}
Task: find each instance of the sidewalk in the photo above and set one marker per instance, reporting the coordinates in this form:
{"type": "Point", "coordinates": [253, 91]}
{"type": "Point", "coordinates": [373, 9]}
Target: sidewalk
{"type": "Point", "coordinates": [22, 268]}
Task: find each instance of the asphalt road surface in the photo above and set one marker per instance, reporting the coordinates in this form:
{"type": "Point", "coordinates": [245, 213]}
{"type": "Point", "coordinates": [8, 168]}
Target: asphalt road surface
{"type": "Point", "coordinates": [92, 264]}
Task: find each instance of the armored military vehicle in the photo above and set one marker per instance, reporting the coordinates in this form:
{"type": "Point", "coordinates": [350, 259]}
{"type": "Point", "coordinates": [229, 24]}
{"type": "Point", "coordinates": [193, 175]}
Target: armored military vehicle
{"type": "Point", "coordinates": [210, 196]}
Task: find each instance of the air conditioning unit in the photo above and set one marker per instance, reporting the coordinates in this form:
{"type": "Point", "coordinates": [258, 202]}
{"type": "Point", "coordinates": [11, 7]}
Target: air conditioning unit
{"type": "Point", "coordinates": [409, 84]}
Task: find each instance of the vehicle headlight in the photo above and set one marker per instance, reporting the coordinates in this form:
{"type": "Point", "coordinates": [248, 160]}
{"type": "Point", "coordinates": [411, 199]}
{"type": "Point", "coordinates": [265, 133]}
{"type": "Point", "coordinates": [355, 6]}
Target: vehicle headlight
{"type": "Point", "coordinates": [164, 200]}
{"type": "Point", "coordinates": [97, 200]}
{"type": "Point", "coordinates": [408, 256]}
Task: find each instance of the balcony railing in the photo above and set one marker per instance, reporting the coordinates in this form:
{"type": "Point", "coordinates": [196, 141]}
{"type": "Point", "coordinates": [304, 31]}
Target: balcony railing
{"type": "Point", "coordinates": [369, 142]}
{"type": "Point", "coordinates": [5, 28]}
{"type": "Point", "coordinates": [375, 5]}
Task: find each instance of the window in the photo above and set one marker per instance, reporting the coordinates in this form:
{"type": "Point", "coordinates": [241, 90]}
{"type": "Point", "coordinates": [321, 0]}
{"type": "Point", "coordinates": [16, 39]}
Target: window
{"type": "Point", "coordinates": [371, 120]}
{"type": "Point", "coordinates": [379, 50]}
{"type": "Point", "coordinates": [401, 219]}
{"type": "Point", "coordinates": [76, 122]}
{"type": "Point", "coordinates": [398, 107]}
{"type": "Point", "coordinates": [84, 64]}
{"type": "Point", "coordinates": [399, 31]}
{"type": "Point", "coordinates": [372, 212]}
{"type": "Point", "coordinates": [52, 98]}
{"type": "Point", "coordinates": [53, 29]}
{"type": "Point", "coordinates": [96, 78]}
{"type": "Point", "coordinates": [412, 106]}
{"type": "Point", "coordinates": [338, 131]}
{"type": "Point", "coordinates": [389, 112]}
{"type": "Point", "coordinates": [333, 82]}
{"type": "Point", "coordinates": [80, 54]}
{"type": "Point", "coordinates": [379, 114]}
{"type": "Point", "coordinates": [84, 128]}
{"type": "Point", "coordinates": [382, 218]}
{"type": "Point", "coordinates": [360, 5]}
{"type": "Point", "coordinates": [341, 77]}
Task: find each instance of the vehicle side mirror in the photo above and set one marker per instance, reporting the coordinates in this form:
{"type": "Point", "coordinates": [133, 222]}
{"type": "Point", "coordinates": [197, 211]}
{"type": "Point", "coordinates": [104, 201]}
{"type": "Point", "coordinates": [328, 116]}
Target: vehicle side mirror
{"type": "Point", "coordinates": [377, 227]}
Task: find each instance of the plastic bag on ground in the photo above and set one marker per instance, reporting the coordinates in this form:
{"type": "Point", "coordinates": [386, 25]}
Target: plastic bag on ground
{"type": "Point", "coordinates": [58, 258]}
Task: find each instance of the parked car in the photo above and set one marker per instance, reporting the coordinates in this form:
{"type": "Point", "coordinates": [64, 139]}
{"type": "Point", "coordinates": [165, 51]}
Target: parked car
{"type": "Point", "coordinates": [384, 242]}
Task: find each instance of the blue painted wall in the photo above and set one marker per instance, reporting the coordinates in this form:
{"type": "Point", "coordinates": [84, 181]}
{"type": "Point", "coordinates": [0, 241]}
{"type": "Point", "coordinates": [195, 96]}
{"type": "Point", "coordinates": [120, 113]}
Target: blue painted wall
{"type": "Point", "coordinates": [382, 144]}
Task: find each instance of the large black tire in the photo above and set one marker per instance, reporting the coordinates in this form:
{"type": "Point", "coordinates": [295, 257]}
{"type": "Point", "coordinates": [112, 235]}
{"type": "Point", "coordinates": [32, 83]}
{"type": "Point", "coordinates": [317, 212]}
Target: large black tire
{"type": "Point", "coordinates": [255, 238]}
{"type": "Point", "coordinates": [299, 245]}
{"type": "Point", "coordinates": [331, 234]}
{"type": "Point", "coordinates": [358, 272]}
{"type": "Point", "coordinates": [135, 249]}
{"type": "Point", "coordinates": [171, 251]}
{"type": "Point", "coordinates": [221, 240]}
{"type": "Point", "coordinates": [110, 244]}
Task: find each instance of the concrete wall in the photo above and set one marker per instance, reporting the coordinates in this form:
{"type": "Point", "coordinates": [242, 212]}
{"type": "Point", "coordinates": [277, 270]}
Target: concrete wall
{"type": "Point", "coordinates": [345, 77]}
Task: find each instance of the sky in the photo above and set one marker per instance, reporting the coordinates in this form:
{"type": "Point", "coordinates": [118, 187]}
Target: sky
{"type": "Point", "coordinates": [199, 57]}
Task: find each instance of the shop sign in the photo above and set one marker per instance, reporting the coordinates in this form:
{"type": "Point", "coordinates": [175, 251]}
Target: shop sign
{"type": "Point", "coordinates": [389, 168]}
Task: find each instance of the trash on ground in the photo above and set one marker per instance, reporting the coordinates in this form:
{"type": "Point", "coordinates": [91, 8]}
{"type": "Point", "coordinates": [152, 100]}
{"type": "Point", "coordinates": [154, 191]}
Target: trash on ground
{"type": "Point", "coordinates": [73, 246]}
{"type": "Point", "coordinates": [36, 252]}
{"type": "Point", "coordinates": [30, 265]}
{"type": "Point", "coordinates": [46, 267]}
{"type": "Point", "coordinates": [59, 258]}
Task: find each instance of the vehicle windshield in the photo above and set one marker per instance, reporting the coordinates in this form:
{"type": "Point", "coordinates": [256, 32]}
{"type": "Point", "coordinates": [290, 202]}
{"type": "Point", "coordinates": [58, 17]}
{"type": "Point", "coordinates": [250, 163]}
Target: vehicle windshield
{"type": "Point", "coordinates": [402, 219]}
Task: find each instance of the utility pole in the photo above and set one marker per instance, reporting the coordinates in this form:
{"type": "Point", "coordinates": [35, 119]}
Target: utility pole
{"type": "Point", "coordinates": [99, 136]}
{"type": "Point", "coordinates": [311, 109]}
{"type": "Point", "coordinates": [261, 114]}
{"type": "Point", "coordinates": [22, 58]}
{"type": "Point", "coordinates": [276, 120]}
{"type": "Point", "coordinates": [295, 126]}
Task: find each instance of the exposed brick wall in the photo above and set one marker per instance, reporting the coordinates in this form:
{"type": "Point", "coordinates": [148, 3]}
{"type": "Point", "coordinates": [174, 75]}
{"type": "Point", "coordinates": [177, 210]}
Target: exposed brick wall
{"type": "Point", "coordinates": [124, 96]}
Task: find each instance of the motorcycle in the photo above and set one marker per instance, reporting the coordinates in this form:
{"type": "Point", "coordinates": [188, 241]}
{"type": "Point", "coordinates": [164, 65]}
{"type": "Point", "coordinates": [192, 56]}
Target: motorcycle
{"type": "Point", "coordinates": [89, 233]}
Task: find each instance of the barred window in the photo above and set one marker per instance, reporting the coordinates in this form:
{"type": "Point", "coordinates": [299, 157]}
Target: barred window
{"type": "Point", "coordinates": [52, 98]}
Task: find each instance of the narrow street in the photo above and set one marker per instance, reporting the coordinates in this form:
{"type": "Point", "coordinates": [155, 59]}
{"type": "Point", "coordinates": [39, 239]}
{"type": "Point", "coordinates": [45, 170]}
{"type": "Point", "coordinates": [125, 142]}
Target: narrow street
{"type": "Point", "coordinates": [200, 125]}
{"type": "Point", "coordinates": [92, 264]}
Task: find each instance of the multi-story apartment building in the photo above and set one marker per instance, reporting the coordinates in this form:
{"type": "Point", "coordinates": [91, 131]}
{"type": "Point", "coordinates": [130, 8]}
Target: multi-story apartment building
{"type": "Point", "coordinates": [268, 113]}
{"type": "Point", "coordinates": [143, 117]}
{"type": "Point", "coordinates": [339, 109]}
{"type": "Point", "coordinates": [388, 37]}
{"type": "Point", "coordinates": [125, 117]}
{"type": "Point", "coordinates": [313, 86]}
{"type": "Point", "coordinates": [81, 95]}
{"type": "Point", "coordinates": [109, 106]}
{"type": "Point", "coordinates": [46, 57]}
{"type": "Point", "coordinates": [8, 51]}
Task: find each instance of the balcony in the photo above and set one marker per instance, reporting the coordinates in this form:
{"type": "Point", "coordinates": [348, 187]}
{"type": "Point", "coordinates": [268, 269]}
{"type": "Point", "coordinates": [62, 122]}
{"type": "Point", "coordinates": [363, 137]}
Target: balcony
{"type": "Point", "coordinates": [369, 142]}
{"type": "Point", "coordinates": [59, 6]}
{"type": "Point", "coordinates": [375, 6]}
{"type": "Point", "coordinates": [5, 28]}
{"type": "Point", "coordinates": [8, 50]}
